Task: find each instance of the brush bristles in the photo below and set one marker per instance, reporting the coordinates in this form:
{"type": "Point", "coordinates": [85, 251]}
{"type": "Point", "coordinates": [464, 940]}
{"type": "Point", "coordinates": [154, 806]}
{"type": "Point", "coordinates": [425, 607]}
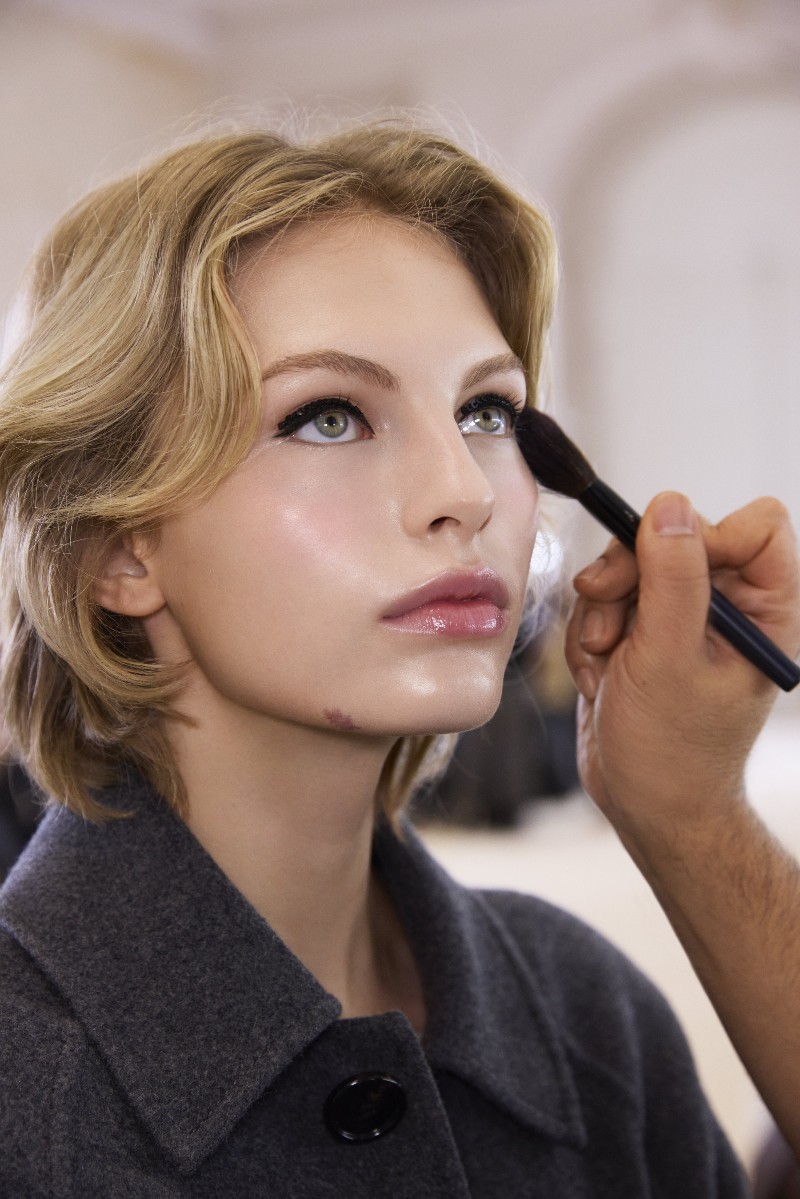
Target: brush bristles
{"type": "Point", "coordinates": [553, 460]}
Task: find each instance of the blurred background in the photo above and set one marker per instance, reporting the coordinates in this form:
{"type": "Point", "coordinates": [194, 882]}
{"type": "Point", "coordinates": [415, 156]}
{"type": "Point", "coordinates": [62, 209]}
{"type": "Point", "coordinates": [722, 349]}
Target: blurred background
{"type": "Point", "coordinates": [663, 137]}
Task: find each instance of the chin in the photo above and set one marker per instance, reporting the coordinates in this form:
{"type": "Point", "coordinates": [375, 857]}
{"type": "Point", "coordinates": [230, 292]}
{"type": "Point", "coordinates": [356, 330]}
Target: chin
{"type": "Point", "coordinates": [446, 712]}
{"type": "Point", "coordinates": [463, 722]}
{"type": "Point", "coordinates": [441, 695]}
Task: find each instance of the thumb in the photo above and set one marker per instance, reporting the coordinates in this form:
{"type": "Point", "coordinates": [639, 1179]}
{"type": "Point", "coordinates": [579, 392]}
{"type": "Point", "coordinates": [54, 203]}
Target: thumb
{"type": "Point", "coordinates": [674, 583]}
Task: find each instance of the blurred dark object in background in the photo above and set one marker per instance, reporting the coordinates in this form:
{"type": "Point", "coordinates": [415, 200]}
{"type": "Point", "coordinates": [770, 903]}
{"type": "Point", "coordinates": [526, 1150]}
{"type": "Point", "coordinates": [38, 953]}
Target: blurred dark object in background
{"type": "Point", "coordinates": [20, 812]}
{"type": "Point", "coordinates": [527, 751]}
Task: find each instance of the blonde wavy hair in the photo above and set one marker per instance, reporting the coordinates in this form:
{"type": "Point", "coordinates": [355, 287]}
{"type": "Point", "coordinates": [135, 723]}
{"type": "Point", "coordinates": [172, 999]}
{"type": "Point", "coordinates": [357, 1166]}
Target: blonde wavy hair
{"type": "Point", "coordinates": [135, 390]}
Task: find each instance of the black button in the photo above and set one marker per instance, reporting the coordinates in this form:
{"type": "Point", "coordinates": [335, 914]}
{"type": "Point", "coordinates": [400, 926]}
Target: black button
{"type": "Point", "coordinates": [364, 1107]}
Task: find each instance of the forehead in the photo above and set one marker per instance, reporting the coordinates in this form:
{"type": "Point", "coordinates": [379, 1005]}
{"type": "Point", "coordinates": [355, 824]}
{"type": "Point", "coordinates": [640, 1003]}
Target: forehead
{"type": "Point", "coordinates": [346, 234]}
{"type": "Point", "coordinates": [357, 277]}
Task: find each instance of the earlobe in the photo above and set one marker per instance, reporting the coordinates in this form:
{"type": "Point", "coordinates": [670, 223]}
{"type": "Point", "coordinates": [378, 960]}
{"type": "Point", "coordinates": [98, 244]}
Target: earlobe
{"type": "Point", "coordinates": [126, 583]}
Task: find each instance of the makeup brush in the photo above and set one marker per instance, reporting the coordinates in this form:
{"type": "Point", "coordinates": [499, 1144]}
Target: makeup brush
{"type": "Point", "coordinates": [558, 464]}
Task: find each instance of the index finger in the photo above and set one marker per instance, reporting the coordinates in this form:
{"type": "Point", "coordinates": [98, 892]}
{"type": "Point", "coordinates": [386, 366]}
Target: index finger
{"type": "Point", "coordinates": [759, 543]}
{"type": "Point", "coordinates": [613, 576]}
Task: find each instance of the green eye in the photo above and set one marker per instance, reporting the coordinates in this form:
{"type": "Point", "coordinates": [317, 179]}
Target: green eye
{"type": "Point", "coordinates": [333, 423]}
{"type": "Point", "coordinates": [489, 420]}
{"type": "Point", "coordinates": [495, 419]}
{"type": "Point", "coordinates": [325, 421]}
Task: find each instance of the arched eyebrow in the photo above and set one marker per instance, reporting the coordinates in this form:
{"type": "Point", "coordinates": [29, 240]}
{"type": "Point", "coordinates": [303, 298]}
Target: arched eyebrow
{"type": "Point", "coordinates": [492, 366]}
{"type": "Point", "coordinates": [372, 372]}
{"type": "Point", "coordinates": [340, 363]}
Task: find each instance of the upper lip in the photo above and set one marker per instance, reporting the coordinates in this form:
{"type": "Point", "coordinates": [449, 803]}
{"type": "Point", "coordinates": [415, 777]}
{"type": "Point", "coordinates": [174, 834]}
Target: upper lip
{"type": "Point", "coordinates": [454, 585]}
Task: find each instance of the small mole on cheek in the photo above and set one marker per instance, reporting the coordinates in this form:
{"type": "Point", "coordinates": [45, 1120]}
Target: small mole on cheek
{"type": "Point", "coordinates": [339, 720]}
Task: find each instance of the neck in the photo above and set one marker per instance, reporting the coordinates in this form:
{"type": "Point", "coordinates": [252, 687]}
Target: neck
{"type": "Point", "coordinates": [287, 812]}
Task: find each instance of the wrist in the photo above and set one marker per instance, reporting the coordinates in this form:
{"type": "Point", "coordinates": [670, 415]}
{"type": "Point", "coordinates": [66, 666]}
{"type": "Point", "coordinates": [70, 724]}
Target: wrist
{"type": "Point", "coordinates": [690, 829]}
{"type": "Point", "coordinates": [692, 838]}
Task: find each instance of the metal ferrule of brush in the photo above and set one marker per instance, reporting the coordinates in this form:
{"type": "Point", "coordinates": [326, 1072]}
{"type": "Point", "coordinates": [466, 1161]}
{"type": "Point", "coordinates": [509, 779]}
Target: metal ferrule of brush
{"type": "Point", "coordinates": [612, 511]}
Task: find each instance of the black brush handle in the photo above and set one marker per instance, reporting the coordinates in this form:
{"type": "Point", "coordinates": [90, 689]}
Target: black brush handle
{"type": "Point", "coordinates": [621, 520]}
{"type": "Point", "coordinates": [612, 511]}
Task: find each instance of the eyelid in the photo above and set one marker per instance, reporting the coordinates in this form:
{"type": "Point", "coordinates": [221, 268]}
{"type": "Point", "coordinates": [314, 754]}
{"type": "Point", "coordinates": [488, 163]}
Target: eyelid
{"type": "Point", "coordinates": [306, 412]}
{"type": "Point", "coordinates": [492, 399]}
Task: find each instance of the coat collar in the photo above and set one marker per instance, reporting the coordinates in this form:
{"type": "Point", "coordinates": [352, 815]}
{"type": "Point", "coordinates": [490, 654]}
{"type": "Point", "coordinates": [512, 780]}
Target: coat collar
{"type": "Point", "coordinates": [488, 1019]}
{"type": "Point", "coordinates": [197, 1006]}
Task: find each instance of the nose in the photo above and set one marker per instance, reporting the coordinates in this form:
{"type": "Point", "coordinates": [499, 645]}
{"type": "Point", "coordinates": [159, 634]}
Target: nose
{"type": "Point", "coordinates": [445, 487]}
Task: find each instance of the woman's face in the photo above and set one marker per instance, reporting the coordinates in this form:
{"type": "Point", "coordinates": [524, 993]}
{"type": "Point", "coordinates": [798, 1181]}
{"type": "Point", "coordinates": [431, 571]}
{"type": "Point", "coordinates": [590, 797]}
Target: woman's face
{"type": "Point", "coordinates": [364, 568]}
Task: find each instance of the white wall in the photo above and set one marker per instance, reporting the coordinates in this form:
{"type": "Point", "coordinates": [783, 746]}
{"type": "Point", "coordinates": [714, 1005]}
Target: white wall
{"type": "Point", "coordinates": [77, 102]}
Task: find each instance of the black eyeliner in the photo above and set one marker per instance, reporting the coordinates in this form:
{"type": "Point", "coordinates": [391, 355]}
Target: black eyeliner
{"type": "Point", "coordinates": [301, 416]}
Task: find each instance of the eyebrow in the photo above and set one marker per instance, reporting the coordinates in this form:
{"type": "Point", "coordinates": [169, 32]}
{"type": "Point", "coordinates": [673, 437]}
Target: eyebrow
{"type": "Point", "coordinates": [380, 376]}
{"type": "Point", "coordinates": [340, 363]}
{"type": "Point", "coordinates": [493, 366]}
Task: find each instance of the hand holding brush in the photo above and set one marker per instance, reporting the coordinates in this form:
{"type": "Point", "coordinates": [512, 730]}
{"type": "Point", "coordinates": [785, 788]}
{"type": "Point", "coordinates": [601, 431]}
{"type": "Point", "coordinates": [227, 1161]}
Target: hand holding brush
{"type": "Point", "coordinates": [559, 465]}
{"type": "Point", "coordinates": [666, 720]}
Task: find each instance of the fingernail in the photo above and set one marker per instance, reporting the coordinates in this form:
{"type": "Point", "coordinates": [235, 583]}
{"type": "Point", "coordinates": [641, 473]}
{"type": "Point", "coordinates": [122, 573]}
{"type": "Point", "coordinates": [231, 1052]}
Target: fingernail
{"type": "Point", "coordinates": [592, 629]}
{"type": "Point", "coordinates": [586, 682]}
{"type": "Point", "coordinates": [673, 516]}
{"type": "Point", "coordinates": [592, 571]}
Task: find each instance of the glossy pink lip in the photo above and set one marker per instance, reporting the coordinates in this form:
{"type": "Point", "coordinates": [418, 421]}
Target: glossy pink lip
{"type": "Point", "coordinates": [456, 604]}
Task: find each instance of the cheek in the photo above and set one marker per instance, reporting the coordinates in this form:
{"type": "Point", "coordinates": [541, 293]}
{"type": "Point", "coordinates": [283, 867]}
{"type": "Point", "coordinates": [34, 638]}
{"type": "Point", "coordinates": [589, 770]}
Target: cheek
{"type": "Point", "coordinates": [320, 533]}
{"type": "Point", "coordinates": [502, 463]}
{"type": "Point", "coordinates": [323, 555]}
{"type": "Point", "coordinates": [260, 593]}
{"type": "Point", "coordinates": [274, 555]}
{"type": "Point", "coordinates": [517, 506]}
{"type": "Point", "coordinates": [525, 497]}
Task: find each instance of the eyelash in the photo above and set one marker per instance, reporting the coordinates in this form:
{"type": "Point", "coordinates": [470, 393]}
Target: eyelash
{"type": "Point", "coordinates": [301, 416]}
{"type": "Point", "coordinates": [492, 399]}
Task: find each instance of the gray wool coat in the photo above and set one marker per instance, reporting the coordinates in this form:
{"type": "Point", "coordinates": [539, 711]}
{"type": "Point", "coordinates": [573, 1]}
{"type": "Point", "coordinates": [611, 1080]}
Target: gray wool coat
{"type": "Point", "coordinates": [157, 1039]}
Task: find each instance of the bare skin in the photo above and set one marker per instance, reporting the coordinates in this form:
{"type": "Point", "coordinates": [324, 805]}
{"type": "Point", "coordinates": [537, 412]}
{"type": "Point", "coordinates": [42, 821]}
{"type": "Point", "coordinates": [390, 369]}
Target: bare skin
{"type": "Point", "coordinates": [668, 714]}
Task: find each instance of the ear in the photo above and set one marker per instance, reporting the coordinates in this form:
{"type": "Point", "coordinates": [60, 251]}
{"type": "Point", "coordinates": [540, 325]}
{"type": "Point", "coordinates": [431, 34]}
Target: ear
{"type": "Point", "coordinates": [126, 584]}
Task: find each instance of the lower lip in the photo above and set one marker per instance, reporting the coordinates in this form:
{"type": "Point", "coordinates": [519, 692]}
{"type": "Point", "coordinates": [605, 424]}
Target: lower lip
{"type": "Point", "coordinates": [451, 618]}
